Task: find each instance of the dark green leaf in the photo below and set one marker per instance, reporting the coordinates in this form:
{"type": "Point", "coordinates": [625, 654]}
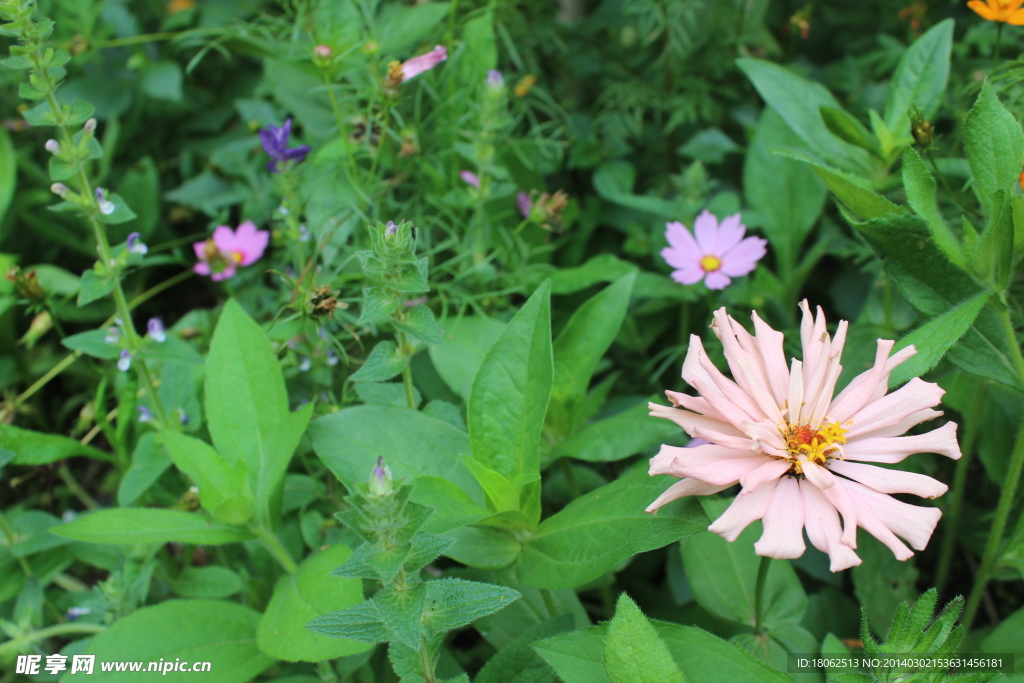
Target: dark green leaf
{"type": "Point", "coordinates": [149, 525]}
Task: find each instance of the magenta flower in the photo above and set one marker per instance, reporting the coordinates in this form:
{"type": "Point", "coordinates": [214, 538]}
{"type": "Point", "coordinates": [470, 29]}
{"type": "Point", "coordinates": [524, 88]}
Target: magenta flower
{"type": "Point", "coordinates": [470, 178]}
{"type": "Point", "coordinates": [417, 65]}
{"type": "Point", "coordinates": [804, 456]}
{"type": "Point", "coordinates": [717, 255]}
{"type": "Point", "coordinates": [228, 249]}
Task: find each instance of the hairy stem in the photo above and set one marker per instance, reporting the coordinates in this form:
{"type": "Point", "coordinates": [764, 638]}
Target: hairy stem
{"type": "Point", "coordinates": [273, 545]}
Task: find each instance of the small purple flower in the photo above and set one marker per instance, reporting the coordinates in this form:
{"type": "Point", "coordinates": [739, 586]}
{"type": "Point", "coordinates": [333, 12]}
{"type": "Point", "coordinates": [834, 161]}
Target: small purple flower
{"type": "Point", "coordinates": [90, 126]}
{"type": "Point", "coordinates": [524, 204]}
{"type": "Point", "coordinates": [113, 335]}
{"type": "Point", "coordinates": [124, 361]}
{"type": "Point", "coordinates": [59, 189]}
{"type": "Point", "coordinates": [380, 479]}
{"type": "Point", "coordinates": [75, 612]}
{"type": "Point", "coordinates": [155, 327]}
{"type": "Point", "coordinates": [135, 245]}
{"type": "Point", "coordinates": [305, 364]}
{"type": "Point", "coordinates": [52, 146]}
{"type": "Point", "coordinates": [392, 229]}
{"type": "Point", "coordinates": [275, 143]}
{"type": "Point", "coordinates": [303, 233]}
{"type": "Point", "coordinates": [413, 303]}
{"type": "Point", "coordinates": [494, 79]}
{"type": "Point", "coordinates": [470, 178]}
{"type": "Point", "coordinates": [332, 358]}
{"type": "Point", "coordinates": [183, 418]}
{"type": "Point", "coordinates": [145, 415]}
{"type": "Point", "coordinates": [106, 206]}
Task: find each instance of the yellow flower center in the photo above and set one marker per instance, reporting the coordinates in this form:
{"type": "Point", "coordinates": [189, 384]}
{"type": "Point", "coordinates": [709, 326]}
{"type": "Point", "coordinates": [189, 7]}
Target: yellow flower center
{"type": "Point", "coordinates": [817, 445]}
{"type": "Point", "coordinates": [710, 263]}
{"type": "Point", "coordinates": [237, 257]}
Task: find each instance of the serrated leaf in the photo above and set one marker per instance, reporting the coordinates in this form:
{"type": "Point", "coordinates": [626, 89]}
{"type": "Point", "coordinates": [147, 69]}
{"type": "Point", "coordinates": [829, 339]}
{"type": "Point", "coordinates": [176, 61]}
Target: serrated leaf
{"type": "Point", "coordinates": [633, 650]}
{"type": "Point", "coordinates": [383, 363]}
{"type": "Point", "coordinates": [920, 186]}
{"type": "Point", "coordinates": [994, 144]}
{"type": "Point", "coordinates": [853, 191]}
{"type": "Point", "coordinates": [453, 603]}
{"type": "Point", "coordinates": [360, 622]}
{"type": "Point", "coordinates": [422, 326]}
{"type": "Point", "coordinates": [404, 613]}
{"type": "Point", "coordinates": [517, 662]}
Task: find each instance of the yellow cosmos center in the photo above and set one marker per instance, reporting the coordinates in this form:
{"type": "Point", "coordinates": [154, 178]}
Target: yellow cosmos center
{"type": "Point", "coordinates": [236, 257]}
{"type": "Point", "coordinates": [710, 263]}
{"type": "Point", "coordinates": [817, 445]}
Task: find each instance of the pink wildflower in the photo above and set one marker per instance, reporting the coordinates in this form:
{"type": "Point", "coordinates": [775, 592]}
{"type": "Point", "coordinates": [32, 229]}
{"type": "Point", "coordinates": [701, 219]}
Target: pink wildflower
{"type": "Point", "coordinates": [798, 453]}
{"type": "Point", "coordinates": [524, 203]}
{"type": "Point", "coordinates": [228, 249]}
{"type": "Point", "coordinates": [470, 178]}
{"type": "Point", "coordinates": [718, 254]}
{"type": "Point", "coordinates": [417, 65]}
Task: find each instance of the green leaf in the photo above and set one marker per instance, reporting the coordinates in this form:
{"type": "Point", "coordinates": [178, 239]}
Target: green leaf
{"type": "Point", "coordinates": [223, 489]}
{"type": "Point", "coordinates": [149, 461]}
{"type": "Point", "coordinates": [993, 255]}
{"type": "Point", "coordinates": [919, 186]}
{"type": "Point", "coordinates": [480, 49]}
{"type": "Point", "coordinates": [303, 596]}
{"type": "Point", "coordinates": [413, 444]}
{"type": "Point", "coordinates": [453, 603]}
{"type": "Point", "coordinates": [510, 394]}
{"type": "Point", "coordinates": [360, 622]}
{"type": "Point", "coordinates": [422, 326]}
{"type": "Point", "coordinates": [466, 342]}
{"type": "Point", "coordinates": [122, 212]}
{"type": "Point", "coordinates": [162, 81]}
{"type": "Point", "coordinates": [633, 650]}
{"type": "Point", "coordinates": [149, 525]}
{"type": "Point", "coordinates": [853, 191]}
{"type": "Point", "coordinates": [994, 144]}
{"type": "Point", "coordinates": [789, 194]}
{"type": "Point", "coordinates": [613, 438]}
{"type": "Point", "coordinates": [933, 339]}
{"type": "Point", "coordinates": [597, 531]}
{"type": "Point", "coordinates": [484, 547]}
{"type": "Point", "coordinates": [383, 363]}
{"type": "Point", "coordinates": [920, 78]}
{"type": "Point", "coordinates": [798, 101]}
{"type": "Point", "coordinates": [401, 27]}
{"type": "Point", "coordinates": [92, 343]}
{"type": "Point", "coordinates": [586, 338]}
{"type": "Point", "coordinates": [517, 662]}
{"type": "Point", "coordinates": [453, 508]}
{"type": "Point", "coordinates": [221, 633]}
{"type": "Point", "coordinates": [210, 582]}
{"type": "Point", "coordinates": [36, 448]}
{"type": "Point", "coordinates": [613, 180]}
{"type": "Point", "coordinates": [847, 128]}
{"type": "Point", "coordinates": [8, 173]}
{"type": "Point", "coordinates": [723, 575]}
{"type": "Point", "coordinates": [578, 656]}
{"type": "Point", "coordinates": [881, 581]}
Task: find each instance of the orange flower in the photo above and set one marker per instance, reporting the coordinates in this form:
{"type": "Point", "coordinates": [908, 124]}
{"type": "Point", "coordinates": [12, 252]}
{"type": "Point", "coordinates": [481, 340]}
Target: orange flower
{"type": "Point", "coordinates": [1020, 179]}
{"type": "Point", "coordinates": [1007, 11]}
{"type": "Point", "coordinates": [175, 6]}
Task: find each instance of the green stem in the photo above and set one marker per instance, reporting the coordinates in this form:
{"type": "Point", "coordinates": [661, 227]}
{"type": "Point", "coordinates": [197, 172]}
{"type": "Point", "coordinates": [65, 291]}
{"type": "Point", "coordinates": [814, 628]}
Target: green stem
{"type": "Point", "coordinates": [999, 45]}
{"type": "Point", "coordinates": [15, 645]}
{"type": "Point", "coordinates": [1011, 338]}
{"type": "Point", "coordinates": [959, 486]}
{"type": "Point", "coordinates": [42, 381]}
{"type": "Point", "coordinates": [762, 578]}
{"type": "Point", "coordinates": [549, 602]}
{"type": "Point", "coordinates": [10, 541]}
{"type": "Point", "coordinates": [273, 544]}
{"type": "Point", "coordinates": [76, 489]}
{"type": "Point", "coordinates": [426, 662]}
{"type": "Point", "coordinates": [406, 350]}
{"type": "Point", "coordinates": [995, 536]}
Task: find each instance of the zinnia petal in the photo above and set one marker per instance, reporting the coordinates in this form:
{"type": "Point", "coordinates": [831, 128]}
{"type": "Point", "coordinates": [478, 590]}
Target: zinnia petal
{"type": "Point", "coordinates": [744, 510]}
{"type": "Point", "coordinates": [890, 481]}
{"type": "Point", "coordinates": [681, 489]}
{"type": "Point", "coordinates": [823, 529]}
{"type": "Point", "coordinates": [783, 536]}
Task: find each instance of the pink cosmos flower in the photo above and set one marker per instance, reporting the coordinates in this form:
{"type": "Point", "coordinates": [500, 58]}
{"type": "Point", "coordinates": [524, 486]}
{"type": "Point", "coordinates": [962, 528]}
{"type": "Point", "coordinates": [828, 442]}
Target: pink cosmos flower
{"type": "Point", "coordinates": [803, 457]}
{"type": "Point", "coordinates": [718, 254]}
{"type": "Point", "coordinates": [470, 178]}
{"type": "Point", "coordinates": [228, 249]}
{"type": "Point", "coordinates": [417, 65]}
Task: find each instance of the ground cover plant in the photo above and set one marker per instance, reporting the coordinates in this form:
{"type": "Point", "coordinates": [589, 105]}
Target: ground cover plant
{"type": "Point", "coordinates": [609, 341]}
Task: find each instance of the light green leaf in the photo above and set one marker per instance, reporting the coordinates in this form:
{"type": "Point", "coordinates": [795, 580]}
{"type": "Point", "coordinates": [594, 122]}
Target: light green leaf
{"type": "Point", "coordinates": [613, 180]}
{"type": "Point", "coordinates": [510, 394]}
{"type": "Point", "coordinates": [881, 581]}
{"type": "Point", "coordinates": [617, 437]}
{"type": "Point", "coordinates": [994, 144]}
{"type": "Point", "coordinates": [149, 461]}
{"type": "Point", "coordinates": [466, 342]}
{"type": "Point", "coordinates": [218, 482]}
{"type": "Point", "coordinates": [400, 27]}
{"type": "Point", "coordinates": [595, 532]}
{"type": "Point", "coordinates": [920, 78]}
{"type": "Point", "coordinates": [933, 339]}
{"type": "Point", "coordinates": [92, 343]}
{"type": "Point", "coordinates": [36, 448]}
{"type": "Point", "coordinates": [222, 633]}
{"type": "Point", "coordinates": [633, 650]}
{"type": "Point", "coordinates": [383, 363]}
{"type": "Point", "coordinates": [453, 603]}
{"type": "Point", "coordinates": [453, 508]}
{"type": "Point", "coordinates": [303, 596]}
{"type": "Point", "coordinates": [723, 575]}
{"type": "Point", "coordinates": [360, 622]}
{"type": "Point", "coordinates": [149, 525]}
{"type": "Point", "coordinates": [413, 444]}
{"type": "Point", "coordinates": [211, 582]}
{"type": "Point", "coordinates": [919, 186]}
{"type": "Point", "coordinates": [8, 173]}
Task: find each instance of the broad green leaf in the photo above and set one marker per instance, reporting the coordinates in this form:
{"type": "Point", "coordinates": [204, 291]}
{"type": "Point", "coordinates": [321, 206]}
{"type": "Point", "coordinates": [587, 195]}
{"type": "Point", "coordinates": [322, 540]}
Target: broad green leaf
{"type": "Point", "coordinates": [303, 596]}
{"type": "Point", "coordinates": [36, 448]}
{"type": "Point", "coordinates": [993, 255]}
{"type": "Point", "coordinates": [601, 268]}
{"type": "Point", "coordinates": [413, 444]}
{"type": "Point", "coordinates": [140, 186]}
{"type": "Point", "coordinates": [400, 27]}
{"type": "Point", "coordinates": [222, 633]}
{"type": "Point", "coordinates": [466, 342]}
{"type": "Point", "coordinates": [1007, 637]}
{"type": "Point", "coordinates": [933, 339]}
{"type": "Point", "coordinates": [578, 656]}
{"type": "Point", "coordinates": [480, 49]}
{"type": "Point", "coordinates": [8, 173]}
{"type": "Point", "coordinates": [633, 650]}
{"type": "Point", "coordinates": [779, 641]}
{"type": "Point", "coordinates": [149, 525]}
{"type": "Point", "coordinates": [597, 531]}
{"type": "Point", "coordinates": [919, 186]}
{"type": "Point", "coordinates": [798, 101]}
{"type": "Point", "coordinates": [218, 482]}
{"type": "Point", "coordinates": [453, 603]}
{"type": "Point", "coordinates": [92, 343]}
{"type": "Point", "coordinates": [617, 437]}
{"type": "Point", "coordinates": [786, 192]}
{"type": "Point", "coordinates": [211, 582]}
{"type": "Point", "coordinates": [483, 547]}
{"type": "Point", "coordinates": [278, 449]}
{"type": "Point", "coordinates": [360, 622]}
{"type": "Point", "coordinates": [517, 662]}
{"type": "Point", "coordinates": [586, 338]}
{"type": "Point", "coordinates": [723, 575]}
{"type": "Point", "coordinates": [149, 461]}
{"type": "Point", "coordinates": [383, 363]}
{"type": "Point", "coordinates": [994, 144]}
{"type": "Point", "coordinates": [881, 581]}
{"type": "Point", "coordinates": [510, 395]}
{"type": "Point", "coordinates": [453, 508]}
{"type": "Point", "coordinates": [847, 128]}
{"type": "Point", "coordinates": [853, 191]}
{"type": "Point", "coordinates": [920, 78]}
{"type": "Point", "coordinates": [245, 393]}
{"type": "Point", "coordinates": [31, 534]}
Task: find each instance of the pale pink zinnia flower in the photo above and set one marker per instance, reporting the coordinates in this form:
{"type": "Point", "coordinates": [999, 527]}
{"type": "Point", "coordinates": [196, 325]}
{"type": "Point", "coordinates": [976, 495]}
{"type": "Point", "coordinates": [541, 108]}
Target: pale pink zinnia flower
{"type": "Point", "coordinates": [718, 254]}
{"type": "Point", "coordinates": [798, 452]}
{"type": "Point", "coordinates": [228, 249]}
{"type": "Point", "coordinates": [417, 65]}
